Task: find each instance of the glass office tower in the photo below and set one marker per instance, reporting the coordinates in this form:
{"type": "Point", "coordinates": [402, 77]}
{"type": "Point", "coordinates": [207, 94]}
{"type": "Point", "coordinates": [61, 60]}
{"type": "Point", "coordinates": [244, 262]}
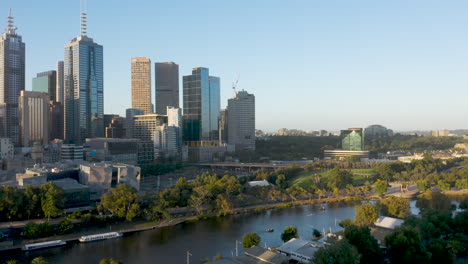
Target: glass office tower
{"type": "Point", "coordinates": [46, 82]}
{"type": "Point", "coordinates": [201, 106]}
{"type": "Point", "coordinates": [12, 80]}
{"type": "Point", "coordinates": [84, 86]}
{"type": "Point", "coordinates": [352, 139]}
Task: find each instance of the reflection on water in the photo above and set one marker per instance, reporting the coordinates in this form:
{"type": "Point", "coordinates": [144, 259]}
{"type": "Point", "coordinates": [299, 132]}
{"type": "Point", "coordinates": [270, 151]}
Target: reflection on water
{"type": "Point", "coordinates": [203, 239]}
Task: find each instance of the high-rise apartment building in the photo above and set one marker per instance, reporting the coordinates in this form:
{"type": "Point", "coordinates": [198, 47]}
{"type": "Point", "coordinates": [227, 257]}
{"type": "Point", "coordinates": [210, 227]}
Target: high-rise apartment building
{"type": "Point", "coordinates": [46, 82]}
{"type": "Point", "coordinates": [12, 81]}
{"type": "Point", "coordinates": [241, 121]}
{"type": "Point", "coordinates": [167, 86]}
{"type": "Point", "coordinates": [34, 117]}
{"type": "Point", "coordinates": [352, 139]}
{"type": "Point", "coordinates": [84, 88]}
{"type": "Point", "coordinates": [141, 84]}
{"type": "Point", "coordinates": [59, 82]}
{"type": "Point", "coordinates": [201, 106]}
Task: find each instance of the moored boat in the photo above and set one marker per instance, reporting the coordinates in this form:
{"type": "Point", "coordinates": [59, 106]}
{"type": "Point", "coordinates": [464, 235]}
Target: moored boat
{"type": "Point", "coordinates": [48, 244]}
{"type": "Point", "coordinates": [97, 237]}
{"type": "Point", "coordinates": [270, 230]}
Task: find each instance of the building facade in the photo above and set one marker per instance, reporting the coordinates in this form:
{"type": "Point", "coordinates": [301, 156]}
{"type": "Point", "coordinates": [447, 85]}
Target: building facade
{"type": "Point", "coordinates": [59, 83]}
{"type": "Point", "coordinates": [55, 120]}
{"type": "Point", "coordinates": [129, 120]}
{"type": "Point", "coordinates": [6, 148]}
{"type": "Point", "coordinates": [201, 106]}
{"type": "Point", "coordinates": [84, 90]}
{"type": "Point", "coordinates": [167, 141]}
{"type": "Point", "coordinates": [166, 86]}
{"type": "Point", "coordinates": [352, 139]}
{"type": "Point", "coordinates": [34, 117]}
{"type": "Point", "coordinates": [146, 125]}
{"type": "Point", "coordinates": [12, 81]}
{"type": "Point", "coordinates": [46, 82]}
{"type": "Point", "coordinates": [116, 128]}
{"type": "Point", "coordinates": [241, 121]}
{"type": "Point", "coordinates": [141, 84]}
{"type": "Point", "coordinates": [223, 126]}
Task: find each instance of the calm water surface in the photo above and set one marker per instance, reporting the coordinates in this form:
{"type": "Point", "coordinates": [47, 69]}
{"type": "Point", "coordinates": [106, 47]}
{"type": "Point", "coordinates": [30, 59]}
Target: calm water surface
{"type": "Point", "coordinates": [204, 238]}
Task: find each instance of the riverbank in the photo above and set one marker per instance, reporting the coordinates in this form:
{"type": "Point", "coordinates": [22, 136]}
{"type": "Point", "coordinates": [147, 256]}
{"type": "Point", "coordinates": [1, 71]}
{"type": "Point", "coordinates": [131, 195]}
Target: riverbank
{"type": "Point", "coordinates": [142, 225]}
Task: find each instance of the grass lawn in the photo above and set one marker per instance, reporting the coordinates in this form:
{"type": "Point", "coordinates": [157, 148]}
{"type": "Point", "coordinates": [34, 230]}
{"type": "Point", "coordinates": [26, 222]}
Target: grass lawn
{"type": "Point", "coordinates": [305, 180]}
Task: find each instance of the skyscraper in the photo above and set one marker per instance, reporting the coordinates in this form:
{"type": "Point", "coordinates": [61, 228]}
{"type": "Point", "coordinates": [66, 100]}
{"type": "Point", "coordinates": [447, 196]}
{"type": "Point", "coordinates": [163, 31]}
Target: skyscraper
{"type": "Point", "coordinates": [83, 88]}
{"type": "Point", "coordinates": [241, 121]}
{"type": "Point", "coordinates": [46, 82]}
{"type": "Point", "coordinates": [201, 106]}
{"type": "Point", "coordinates": [167, 86]}
{"type": "Point", "coordinates": [59, 89]}
{"type": "Point", "coordinates": [141, 84]}
{"type": "Point", "coordinates": [12, 80]}
{"type": "Point", "coordinates": [34, 117]}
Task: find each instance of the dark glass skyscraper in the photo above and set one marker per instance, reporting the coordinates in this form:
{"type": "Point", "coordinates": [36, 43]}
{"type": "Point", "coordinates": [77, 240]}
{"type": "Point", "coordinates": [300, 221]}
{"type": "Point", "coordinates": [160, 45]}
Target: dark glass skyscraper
{"type": "Point", "coordinates": [201, 106]}
{"type": "Point", "coordinates": [12, 80]}
{"type": "Point", "coordinates": [167, 86]}
{"type": "Point", "coordinates": [84, 87]}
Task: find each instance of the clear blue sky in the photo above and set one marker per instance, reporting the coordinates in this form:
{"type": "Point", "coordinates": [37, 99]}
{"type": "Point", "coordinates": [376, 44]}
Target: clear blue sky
{"type": "Point", "coordinates": [311, 64]}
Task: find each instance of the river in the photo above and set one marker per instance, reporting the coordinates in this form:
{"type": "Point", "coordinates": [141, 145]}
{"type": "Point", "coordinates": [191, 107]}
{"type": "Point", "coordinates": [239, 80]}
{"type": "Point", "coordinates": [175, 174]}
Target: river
{"type": "Point", "coordinates": [204, 238]}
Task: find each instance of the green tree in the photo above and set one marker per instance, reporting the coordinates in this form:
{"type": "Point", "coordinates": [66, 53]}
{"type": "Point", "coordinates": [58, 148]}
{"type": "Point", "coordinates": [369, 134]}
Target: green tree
{"type": "Point", "coordinates": [39, 260]}
{"type": "Point", "coordinates": [121, 201]}
{"type": "Point", "coordinates": [380, 187]}
{"type": "Point", "coordinates": [341, 252]}
{"type": "Point", "coordinates": [65, 227]}
{"type": "Point", "coordinates": [250, 239]}
{"type": "Point", "coordinates": [289, 233]}
{"type": "Point", "coordinates": [423, 185]}
{"type": "Point", "coordinates": [434, 201]}
{"type": "Point", "coordinates": [366, 214]}
{"type": "Point", "coordinates": [281, 182]}
{"type": "Point", "coordinates": [365, 243]}
{"type": "Point", "coordinates": [440, 252]}
{"type": "Point", "coordinates": [462, 184]}
{"type": "Point", "coordinates": [32, 203]}
{"type": "Point", "coordinates": [12, 261]}
{"type": "Point", "coordinates": [337, 178]}
{"type": "Point", "coordinates": [404, 246]}
{"type": "Point", "coordinates": [394, 206]}
{"type": "Point", "coordinates": [53, 200]}
{"type": "Point", "coordinates": [223, 205]}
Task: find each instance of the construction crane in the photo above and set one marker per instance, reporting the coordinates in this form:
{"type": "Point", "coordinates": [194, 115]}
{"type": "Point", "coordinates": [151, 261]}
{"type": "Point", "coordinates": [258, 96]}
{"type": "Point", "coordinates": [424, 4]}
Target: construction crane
{"type": "Point", "coordinates": [234, 86]}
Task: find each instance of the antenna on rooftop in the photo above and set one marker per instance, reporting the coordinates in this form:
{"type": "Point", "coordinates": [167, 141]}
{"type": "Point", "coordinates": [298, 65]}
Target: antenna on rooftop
{"type": "Point", "coordinates": [83, 16]}
{"type": "Point", "coordinates": [10, 25]}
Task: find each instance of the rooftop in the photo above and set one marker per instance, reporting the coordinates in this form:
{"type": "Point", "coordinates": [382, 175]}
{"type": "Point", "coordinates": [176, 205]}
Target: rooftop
{"type": "Point", "coordinates": [388, 222]}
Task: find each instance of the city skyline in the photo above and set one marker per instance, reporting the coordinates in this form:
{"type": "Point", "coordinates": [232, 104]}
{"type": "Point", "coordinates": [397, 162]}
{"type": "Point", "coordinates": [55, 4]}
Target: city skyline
{"type": "Point", "coordinates": [341, 60]}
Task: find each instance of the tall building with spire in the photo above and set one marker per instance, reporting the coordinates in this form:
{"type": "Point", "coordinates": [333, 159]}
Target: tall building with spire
{"type": "Point", "coordinates": [141, 84]}
{"type": "Point", "coordinates": [12, 80]}
{"type": "Point", "coordinates": [83, 88]}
